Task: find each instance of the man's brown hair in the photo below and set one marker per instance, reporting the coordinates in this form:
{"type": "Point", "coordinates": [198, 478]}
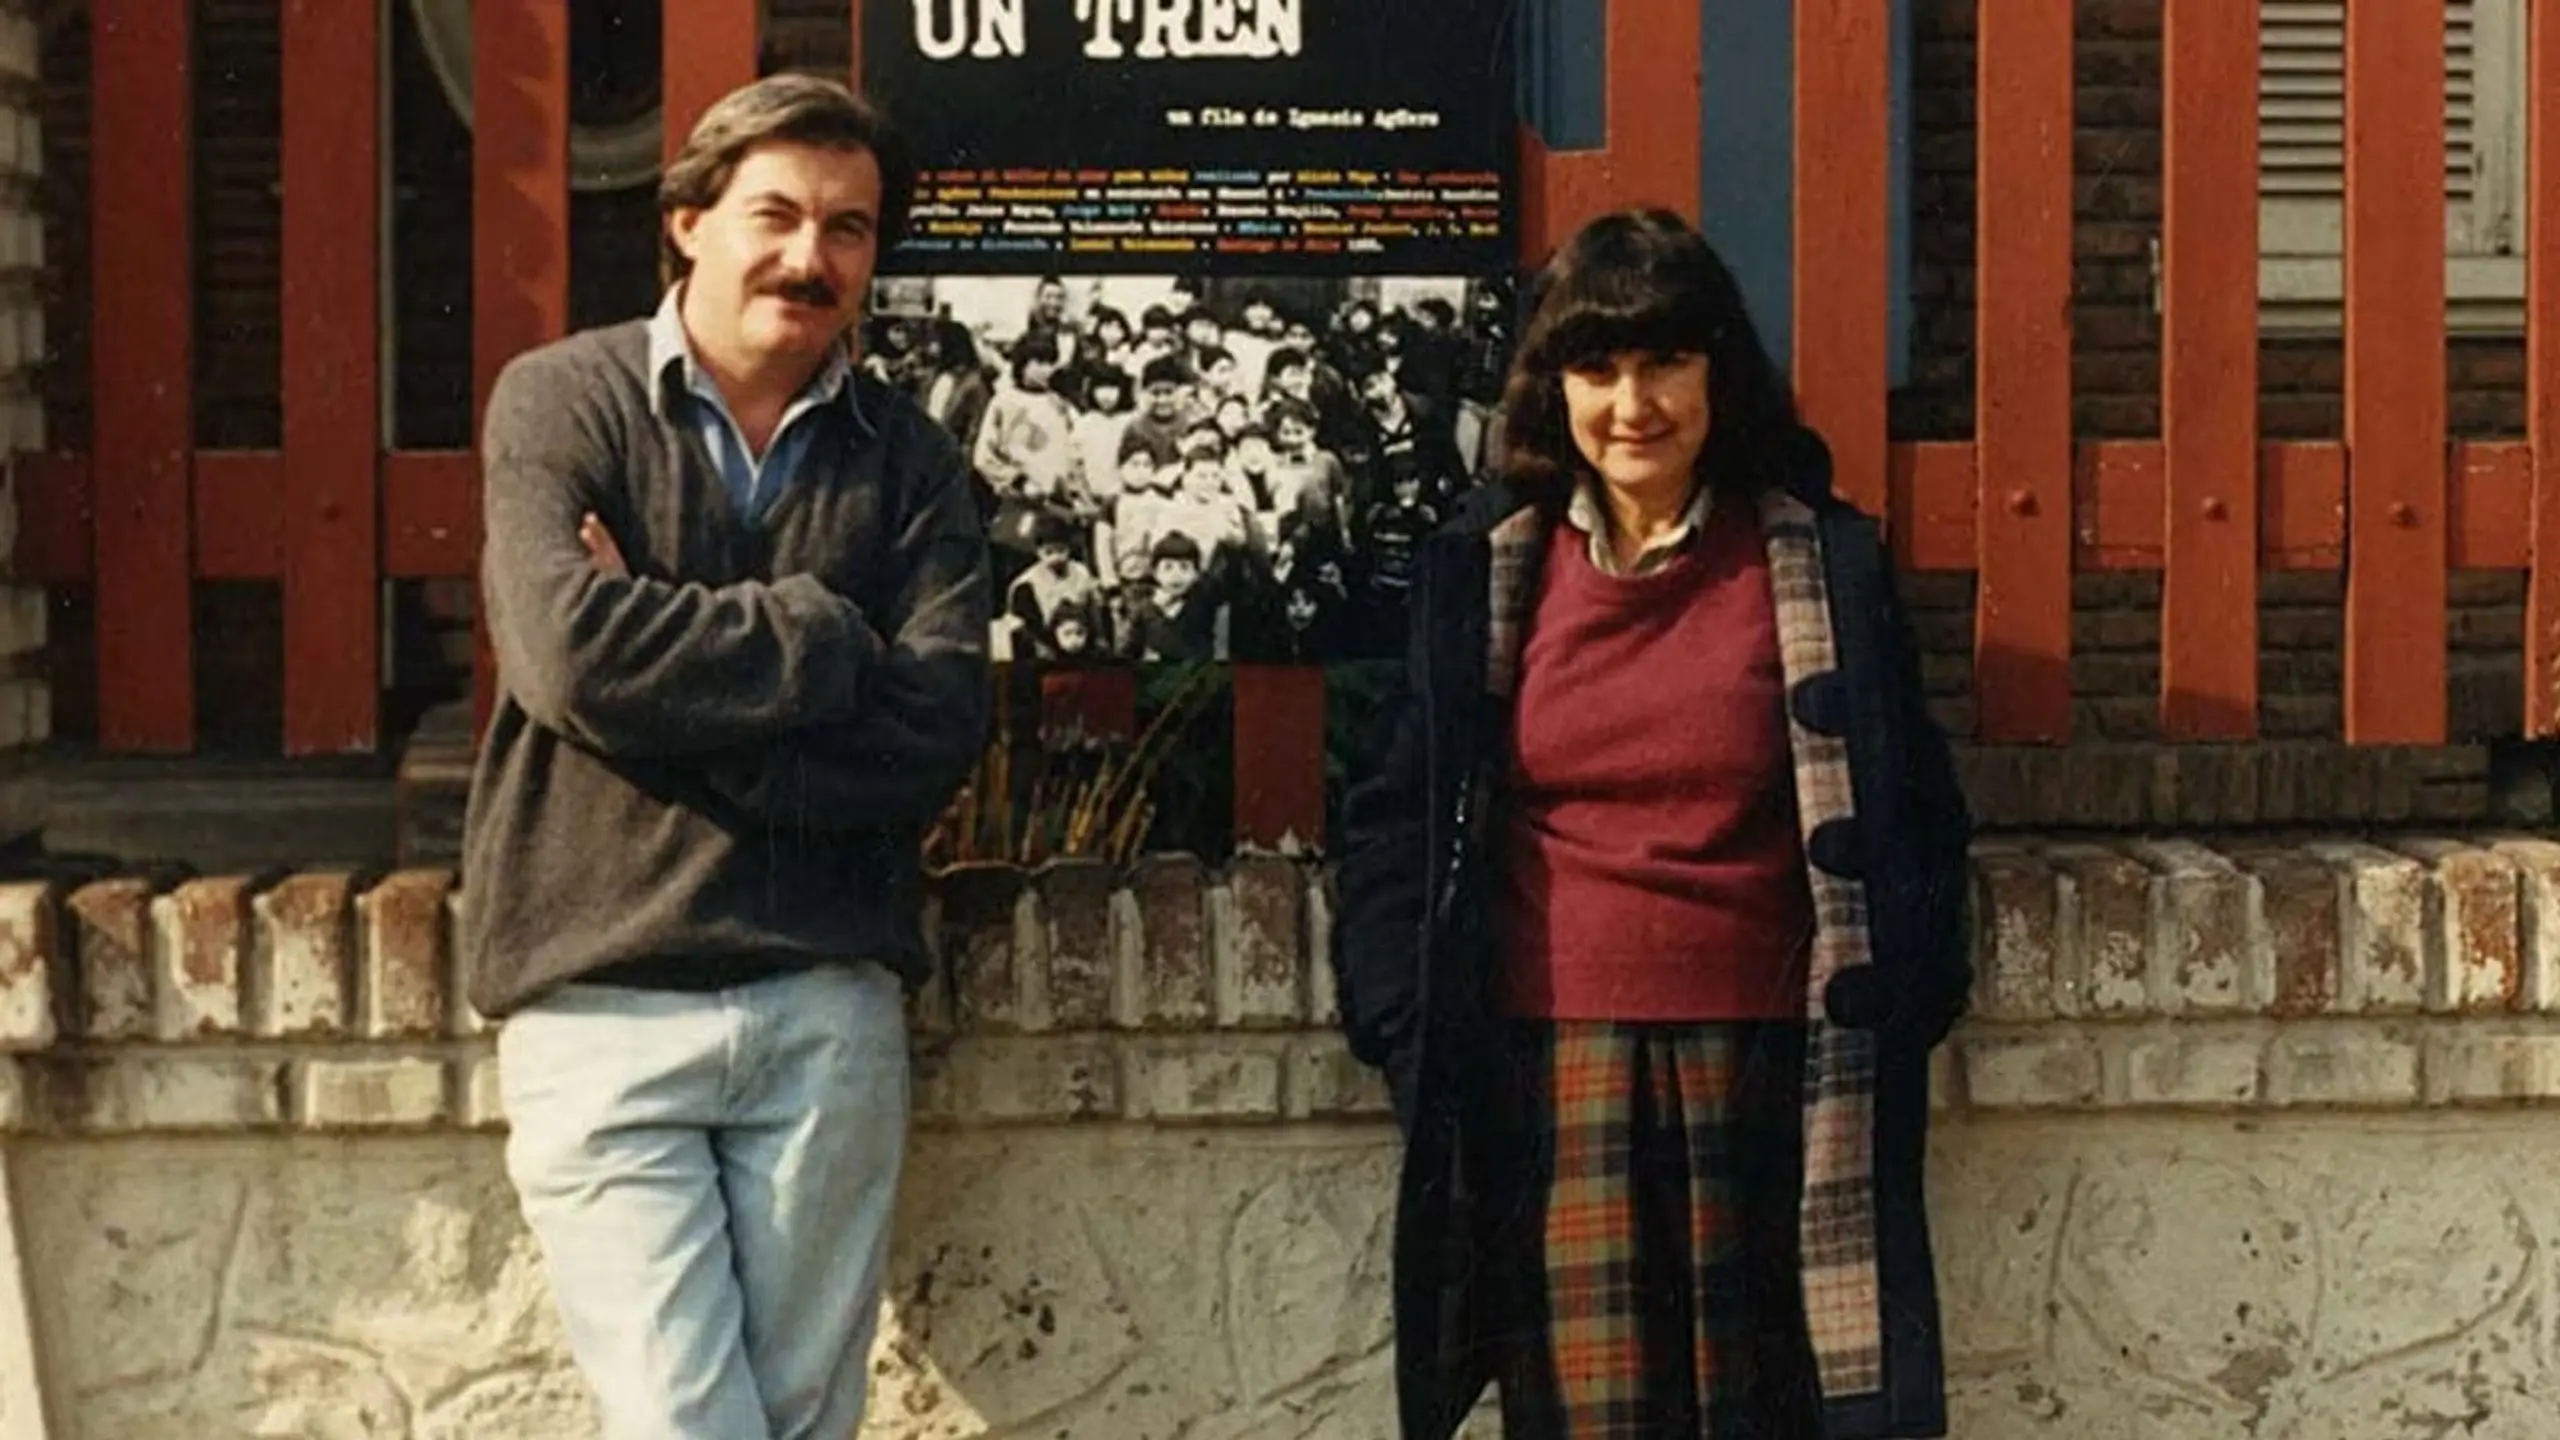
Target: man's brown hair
{"type": "Point", "coordinates": [792, 108]}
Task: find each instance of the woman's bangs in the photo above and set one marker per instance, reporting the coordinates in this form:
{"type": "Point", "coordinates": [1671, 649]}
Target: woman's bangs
{"type": "Point", "coordinates": [1634, 314]}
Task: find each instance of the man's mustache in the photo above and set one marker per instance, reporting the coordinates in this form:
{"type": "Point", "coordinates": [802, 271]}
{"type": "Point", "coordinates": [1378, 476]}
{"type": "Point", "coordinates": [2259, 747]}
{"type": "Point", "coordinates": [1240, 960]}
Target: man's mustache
{"type": "Point", "coordinates": [809, 291]}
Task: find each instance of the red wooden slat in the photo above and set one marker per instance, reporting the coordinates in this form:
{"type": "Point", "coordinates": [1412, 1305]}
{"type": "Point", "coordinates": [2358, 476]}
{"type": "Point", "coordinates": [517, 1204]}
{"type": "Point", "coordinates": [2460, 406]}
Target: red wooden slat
{"type": "Point", "coordinates": [54, 520]}
{"type": "Point", "coordinates": [1654, 83]}
{"type": "Point", "coordinates": [240, 497]}
{"type": "Point", "coordinates": [2122, 499]}
{"type": "Point", "coordinates": [2022, 614]}
{"type": "Point", "coordinates": [142, 368]}
{"type": "Point", "coordinates": [2302, 506]}
{"type": "Point", "coordinates": [1559, 189]}
{"type": "Point", "coordinates": [710, 50]}
{"type": "Point", "coordinates": [1279, 780]}
{"type": "Point", "coordinates": [431, 518]}
{"type": "Point", "coordinates": [2542, 384]}
{"type": "Point", "coordinates": [520, 202]}
{"type": "Point", "coordinates": [332, 56]}
{"type": "Point", "coordinates": [2209, 373]}
{"type": "Point", "coordinates": [430, 514]}
{"type": "Point", "coordinates": [2395, 367]}
{"type": "Point", "coordinates": [1652, 71]}
{"type": "Point", "coordinates": [2490, 507]}
{"type": "Point", "coordinates": [2116, 489]}
{"type": "Point", "coordinates": [1842, 73]}
{"type": "Point", "coordinates": [1933, 499]}
{"type": "Point", "coordinates": [2119, 500]}
{"type": "Point", "coordinates": [854, 71]}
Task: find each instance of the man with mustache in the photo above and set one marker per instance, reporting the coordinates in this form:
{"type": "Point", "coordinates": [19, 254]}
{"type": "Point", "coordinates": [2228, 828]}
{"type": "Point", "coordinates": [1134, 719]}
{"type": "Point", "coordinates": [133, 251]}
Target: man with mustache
{"type": "Point", "coordinates": [739, 600]}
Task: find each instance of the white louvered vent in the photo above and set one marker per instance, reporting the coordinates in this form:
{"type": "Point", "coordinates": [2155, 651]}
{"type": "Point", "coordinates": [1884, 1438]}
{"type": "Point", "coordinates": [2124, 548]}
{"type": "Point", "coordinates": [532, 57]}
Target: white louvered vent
{"type": "Point", "coordinates": [2302, 97]}
{"type": "Point", "coordinates": [2302, 123]}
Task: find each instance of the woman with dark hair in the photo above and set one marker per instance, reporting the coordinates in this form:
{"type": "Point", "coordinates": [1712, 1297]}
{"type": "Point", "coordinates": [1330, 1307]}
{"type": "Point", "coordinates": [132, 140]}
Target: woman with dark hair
{"type": "Point", "coordinates": [1352, 347]}
{"type": "Point", "coordinates": [1113, 340]}
{"type": "Point", "coordinates": [1653, 906]}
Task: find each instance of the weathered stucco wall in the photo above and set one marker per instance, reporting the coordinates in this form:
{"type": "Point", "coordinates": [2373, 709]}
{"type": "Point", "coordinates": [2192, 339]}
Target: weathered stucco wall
{"type": "Point", "coordinates": [2149, 1276]}
{"type": "Point", "coordinates": [2240, 1143]}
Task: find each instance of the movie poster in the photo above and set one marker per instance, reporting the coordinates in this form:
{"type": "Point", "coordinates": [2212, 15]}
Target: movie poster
{"type": "Point", "coordinates": [1216, 297]}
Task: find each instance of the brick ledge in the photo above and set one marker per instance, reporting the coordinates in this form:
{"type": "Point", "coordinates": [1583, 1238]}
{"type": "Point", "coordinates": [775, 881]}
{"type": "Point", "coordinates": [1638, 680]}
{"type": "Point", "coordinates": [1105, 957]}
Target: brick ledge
{"type": "Point", "coordinates": [2177, 973]}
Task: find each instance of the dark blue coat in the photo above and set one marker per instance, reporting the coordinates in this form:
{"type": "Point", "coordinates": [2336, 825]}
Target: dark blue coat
{"type": "Point", "coordinates": [1412, 957]}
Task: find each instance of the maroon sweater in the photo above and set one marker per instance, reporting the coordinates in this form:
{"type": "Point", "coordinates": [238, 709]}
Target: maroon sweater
{"type": "Point", "coordinates": [1652, 865]}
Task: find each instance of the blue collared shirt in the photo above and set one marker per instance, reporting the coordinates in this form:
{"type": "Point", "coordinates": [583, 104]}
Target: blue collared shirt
{"type": "Point", "coordinates": [753, 483]}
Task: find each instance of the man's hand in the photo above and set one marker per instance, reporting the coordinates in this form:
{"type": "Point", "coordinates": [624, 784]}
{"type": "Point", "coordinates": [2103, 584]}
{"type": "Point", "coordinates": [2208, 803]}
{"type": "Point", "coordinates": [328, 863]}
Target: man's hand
{"type": "Point", "coordinates": [600, 546]}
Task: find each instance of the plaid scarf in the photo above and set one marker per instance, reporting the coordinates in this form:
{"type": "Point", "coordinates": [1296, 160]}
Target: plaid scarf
{"type": "Point", "coordinates": [1843, 1296]}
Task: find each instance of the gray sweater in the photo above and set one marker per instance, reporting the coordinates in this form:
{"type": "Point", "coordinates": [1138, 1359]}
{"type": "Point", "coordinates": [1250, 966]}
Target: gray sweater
{"type": "Point", "coordinates": [722, 765]}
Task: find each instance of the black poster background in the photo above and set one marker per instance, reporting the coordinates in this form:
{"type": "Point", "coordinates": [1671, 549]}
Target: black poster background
{"type": "Point", "coordinates": [1054, 109]}
{"type": "Point", "coordinates": [1193, 532]}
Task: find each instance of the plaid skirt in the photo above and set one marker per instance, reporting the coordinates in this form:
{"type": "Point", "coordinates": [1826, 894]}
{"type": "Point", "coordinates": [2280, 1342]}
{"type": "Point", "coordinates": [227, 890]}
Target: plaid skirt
{"type": "Point", "coordinates": [1645, 1183]}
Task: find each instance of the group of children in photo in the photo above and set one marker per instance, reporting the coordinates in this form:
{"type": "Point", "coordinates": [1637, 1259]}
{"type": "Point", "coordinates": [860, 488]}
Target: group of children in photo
{"type": "Point", "coordinates": [1183, 484]}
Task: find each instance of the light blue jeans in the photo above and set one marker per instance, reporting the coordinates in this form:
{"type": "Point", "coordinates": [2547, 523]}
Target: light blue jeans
{"type": "Point", "coordinates": [710, 1178]}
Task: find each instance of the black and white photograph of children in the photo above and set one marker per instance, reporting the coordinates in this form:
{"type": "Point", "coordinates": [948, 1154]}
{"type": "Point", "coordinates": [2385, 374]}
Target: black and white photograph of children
{"type": "Point", "coordinates": [1183, 469]}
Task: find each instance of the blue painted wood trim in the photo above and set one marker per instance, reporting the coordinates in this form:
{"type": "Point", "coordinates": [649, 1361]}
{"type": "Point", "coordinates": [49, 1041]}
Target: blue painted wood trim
{"type": "Point", "coordinates": [1747, 176]}
{"type": "Point", "coordinates": [1746, 152]}
{"type": "Point", "coordinates": [1564, 71]}
{"type": "Point", "coordinates": [1746, 180]}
